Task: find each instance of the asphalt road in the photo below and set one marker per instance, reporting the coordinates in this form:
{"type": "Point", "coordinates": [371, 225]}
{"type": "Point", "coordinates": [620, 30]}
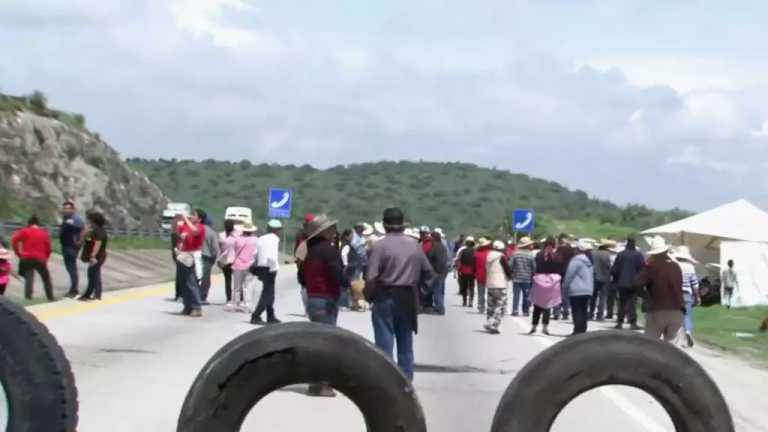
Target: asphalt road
{"type": "Point", "coordinates": [134, 362]}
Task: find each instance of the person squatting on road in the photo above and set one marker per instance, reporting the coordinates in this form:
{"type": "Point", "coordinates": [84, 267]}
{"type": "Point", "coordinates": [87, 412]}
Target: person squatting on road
{"type": "Point", "coordinates": [189, 262]}
{"type": "Point", "coordinates": [245, 255]}
{"type": "Point", "coordinates": [546, 292]}
{"type": "Point", "coordinates": [32, 245]}
{"type": "Point", "coordinates": [71, 233]}
{"type": "Point", "coordinates": [523, 266]}
{"type": "Point", "coordinates": [396, 267]}
{"type": "Point", "coordinates": [690, 290]}
{"type": "Point", "coordinates": [497, 279]}
{"type": "Point", "coordinates": [627, 265]}
{"type": "Point", "coordinates": [465, 268]}
{"type": "Point", "coordinates": [662, 281]}
{"type": "Point", "coordinates": [323, 275]}
{"type": "Point", "coordinates": [267, 265]}
{"type": "Point", "coordinates": [94, 254]}
{"type": "Point", "coordinates": [210, 253]}
{"type": "Point", "coordinates": [481, 256]}
{"type": "Point", "coordinates": [580, 285]}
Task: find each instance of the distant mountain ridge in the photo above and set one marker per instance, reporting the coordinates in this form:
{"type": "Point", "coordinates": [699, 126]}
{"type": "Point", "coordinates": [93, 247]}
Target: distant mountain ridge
{"type": "Point", "coordinates": [455, 196]}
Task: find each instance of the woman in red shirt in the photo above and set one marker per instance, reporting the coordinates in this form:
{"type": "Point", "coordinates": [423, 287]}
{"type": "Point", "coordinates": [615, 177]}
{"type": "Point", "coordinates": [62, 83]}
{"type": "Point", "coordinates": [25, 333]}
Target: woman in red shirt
{"type": "Point", "coordinates": [189, 259]}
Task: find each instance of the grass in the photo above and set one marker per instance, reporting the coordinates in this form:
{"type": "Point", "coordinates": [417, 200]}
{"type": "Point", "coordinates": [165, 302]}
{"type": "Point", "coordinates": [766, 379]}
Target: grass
{"type": "Point", "coordinates": [718, 327]}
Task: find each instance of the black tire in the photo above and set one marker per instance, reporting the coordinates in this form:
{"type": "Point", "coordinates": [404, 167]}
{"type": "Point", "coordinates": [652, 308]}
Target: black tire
{"type": "Point", "coordinates": [35, 374]}
{"type": "Point", "coordinates": [261, 361]}
{"type": "Point", "coordinates": [580, 363]}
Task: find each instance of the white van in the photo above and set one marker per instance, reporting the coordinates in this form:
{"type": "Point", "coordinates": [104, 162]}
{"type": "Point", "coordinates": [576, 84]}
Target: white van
{"type": "Point", "coordinates": [170, 212]}
{"type": "Point", "coordinates": [241, 215]}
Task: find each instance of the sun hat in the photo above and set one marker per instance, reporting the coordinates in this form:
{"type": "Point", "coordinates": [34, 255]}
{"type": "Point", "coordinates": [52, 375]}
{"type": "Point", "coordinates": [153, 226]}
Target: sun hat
{"type": "Point", "coordinates": [604, 242]}
{"type": "Point", "coordinates": [248, 228]}
{"type": "Point", "coordinates": [378, 227]}
{"type": "Point", "coordinates": [367, 229]}
{"type": "Point", "coordinates": [584, 246]}
{"type": "Point", "coordinates": [498, 245]}
{"type": "Point", "coordinates": [321, 223]}
{"type": "Point", "coordinates": [525, 242]}
{"type": "Point", "coordinates": [658, 246]}
{"type": "Point", "coordinates": [684, 253]}
{"type": "Point", "coordinates": [483, 242]}
{"type": "Point", "coordinates": [424, 229]}
{"type": "Point", "coordinates": [275, 224]}
{"type": "Point", "coordinates": [439, 231]}
{"type": "Point", "coordinates": [469, 239]}
{"type": "Point", "coordinates": [5, 254]}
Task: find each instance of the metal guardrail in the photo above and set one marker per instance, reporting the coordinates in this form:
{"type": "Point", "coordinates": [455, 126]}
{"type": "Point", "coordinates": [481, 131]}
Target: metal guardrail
{"type": "Point", "coordinates": [8, 227]}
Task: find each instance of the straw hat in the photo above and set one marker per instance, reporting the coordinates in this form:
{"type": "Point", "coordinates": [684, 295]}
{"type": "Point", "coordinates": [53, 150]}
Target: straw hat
{"type": "Point", "coordinates": [684, 253]}
{"type": "Point", "coordinates": [469, 239]}
{"type": "Point", "coordinates": [525, 242]}
{"type": "Point", "coordinates": [319, 224]}
{"type": "Point", "coordinates": [439, 231]}
{"type": "Point", "coordinates": [5, 254]}
{"type": "Point", "coordinates": [248, 228]}
{"type": "Point", "coordinates": [584, 246]}
{"type": "Point", "coordinates": [378, 227]}
{"type": "Point", "coordinates": [424, 229]}
{"type": "Point", "coordinates": [482, 242]}
{"type": "Point", "coordinates": [367, 229]}
{"type": "Point", "coordinates": [499, 245]}
{"type": "Point", "coordinates": [604, 242]}
{"type": "Point", "coordinates": [658, 246]}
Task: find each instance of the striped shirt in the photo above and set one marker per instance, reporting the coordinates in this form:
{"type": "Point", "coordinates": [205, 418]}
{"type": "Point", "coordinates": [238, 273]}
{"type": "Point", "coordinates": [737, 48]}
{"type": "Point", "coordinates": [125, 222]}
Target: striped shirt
{"type": "Point", "coordinates": [690, 280]}
{"type": "Point", "coordinates": [523, 267]}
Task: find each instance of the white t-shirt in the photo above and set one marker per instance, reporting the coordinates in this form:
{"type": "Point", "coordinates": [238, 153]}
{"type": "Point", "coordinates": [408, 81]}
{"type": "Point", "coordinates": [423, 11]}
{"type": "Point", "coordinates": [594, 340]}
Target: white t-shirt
{"type": "Point", "coordinates": [268, 252]}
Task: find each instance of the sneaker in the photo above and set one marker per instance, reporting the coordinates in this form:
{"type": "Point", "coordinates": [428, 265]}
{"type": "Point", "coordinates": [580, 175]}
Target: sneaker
{"type": "Point", "coordinates": [84, 298]}
{"type": "Point", "coordinates": [533, 330]}
{"type": "Point", "coordinates": [71, 294]}
{"type": "Point", "coordinates": [515, 313]}
{"type": "Point", "coordinates": [619, 327]}
{"type": "Point", "coordinates": [556, 317]}
{"type": "Point", "coordinates": [545, 331]}
{"type": "Point", "coordinates": [195, 313]}
{"type": "Point", "coordinates": [635, 327]}
{"type": "Point", "coordinates": [229, 307]}
{"type": "Point", "coordinates": [256, 320]}
{"type": "Point", "coordinates": [689, 340]}
{"type": "Point", "coordinates": [273, 320]}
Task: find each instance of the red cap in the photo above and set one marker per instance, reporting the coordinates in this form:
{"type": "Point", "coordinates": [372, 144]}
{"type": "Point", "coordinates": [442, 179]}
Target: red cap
{"type": "Point", "coordinates": [309, 217]}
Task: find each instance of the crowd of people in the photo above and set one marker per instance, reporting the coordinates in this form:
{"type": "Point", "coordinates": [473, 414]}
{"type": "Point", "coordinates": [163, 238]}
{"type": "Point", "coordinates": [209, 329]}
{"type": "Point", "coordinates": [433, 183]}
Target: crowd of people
{"type": "Point", "coordinates": [84, 241]}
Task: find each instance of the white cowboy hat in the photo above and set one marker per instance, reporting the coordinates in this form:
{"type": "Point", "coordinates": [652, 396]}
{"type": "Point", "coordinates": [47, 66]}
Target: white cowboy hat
{"type": "Point", "coordinates": [658, 246]}
{"type": "Point", "coordinates": [684, 253]}
{"type": "Point", "coordinates": [275, 224]}
{"type": "Point", "coordinates": [318, 225]}
{"type": "Point", "coordinates": [379, 228]}
{"type": "Point", "coordinates": [498, 245]}
{"type": "Point", "coordinates": [469, 239]}
{"type": "Point", "coordinates": [5, 254]}
{"type": "Point", "coordinates": [367, 229]}
{"type": "Point", "coordinates": [248, 228]}
{"type": "Point", "coordinates": [584, 246]}
{"type": "Point", "coordinates": [410, 232]}
{"type": "Point", "coordinates": [525, 242]}
{"type": "Point", "coordinates": [439, 231]}
{"type": "Point", "coordinates": [483, 242]}
{"type": "Point", "coordinates": [424, 229]}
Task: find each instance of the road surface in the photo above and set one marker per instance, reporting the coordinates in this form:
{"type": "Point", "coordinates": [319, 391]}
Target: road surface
{"type": "Point", "coordinates": [134, 361]}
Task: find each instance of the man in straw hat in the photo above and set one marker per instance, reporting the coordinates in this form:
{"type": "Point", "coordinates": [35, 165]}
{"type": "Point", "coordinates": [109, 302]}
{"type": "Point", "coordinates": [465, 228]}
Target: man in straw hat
{"type": "Point", "coordinates": [323, 275]}
{"type": "Point", "coordinates": [662, 280]}
{"type": "Point", "coordinates": [690, 289]}
{"type": "Point", "coordinates": [523, 267]}
{"type": "Point", "coordinates": [497, 279]}
{"type": "Point", "coordinates": [626, 266]}
{"type": "Point", "coordinates": [396, 268]}
{"type": "Point", "coordinates": [602, 261]}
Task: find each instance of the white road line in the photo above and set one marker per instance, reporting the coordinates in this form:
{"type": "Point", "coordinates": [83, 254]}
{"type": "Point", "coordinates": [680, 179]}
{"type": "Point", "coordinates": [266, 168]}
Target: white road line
{"type": "Point", "coordinates": [629, 408]}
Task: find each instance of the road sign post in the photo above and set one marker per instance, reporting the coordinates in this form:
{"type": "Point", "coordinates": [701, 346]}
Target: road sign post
{"type": "Point", "coordinates": [280, 205]}
{"type": "Point", "coordinates": [524, 221]}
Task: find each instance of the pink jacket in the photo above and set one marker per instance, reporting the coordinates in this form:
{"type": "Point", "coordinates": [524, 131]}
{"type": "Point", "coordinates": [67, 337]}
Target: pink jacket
{"type": "Point", "coordinates": [245, 252]}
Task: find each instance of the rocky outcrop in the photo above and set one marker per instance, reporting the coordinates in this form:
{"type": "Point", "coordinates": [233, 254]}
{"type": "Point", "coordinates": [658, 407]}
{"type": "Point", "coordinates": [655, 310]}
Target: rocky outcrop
{"type": "Point", "coordinates": [44, 162]}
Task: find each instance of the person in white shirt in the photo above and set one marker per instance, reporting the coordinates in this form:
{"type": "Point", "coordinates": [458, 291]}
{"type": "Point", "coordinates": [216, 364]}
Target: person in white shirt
{"type": "Point", "coordinates": [267, 264]}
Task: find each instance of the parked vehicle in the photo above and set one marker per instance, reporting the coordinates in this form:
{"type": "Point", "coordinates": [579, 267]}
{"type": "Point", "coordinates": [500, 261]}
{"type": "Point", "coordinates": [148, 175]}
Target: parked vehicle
{"type": "Point", "coordinates": [170, 212]}
{"type": "Point", "coordinates": [241, 215]}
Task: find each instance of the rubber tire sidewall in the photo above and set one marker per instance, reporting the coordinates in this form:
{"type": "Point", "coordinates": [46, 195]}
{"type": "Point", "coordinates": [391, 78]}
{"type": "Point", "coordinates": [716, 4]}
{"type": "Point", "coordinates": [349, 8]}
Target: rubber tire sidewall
{"type": "Point", "coordinates": [35, 374]}
{"type": "Point", "coordinates": [259, 362]}
{"type": "Point", "coordinates": [561, 373]}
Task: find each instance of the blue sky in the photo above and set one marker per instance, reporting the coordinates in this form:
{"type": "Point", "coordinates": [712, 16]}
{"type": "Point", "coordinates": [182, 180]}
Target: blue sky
{"type": "Point", "coordinates": [658, 102]}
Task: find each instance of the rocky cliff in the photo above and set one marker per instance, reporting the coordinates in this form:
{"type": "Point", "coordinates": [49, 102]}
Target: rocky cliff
{"type": "Point", "coordinates": [44, 161]}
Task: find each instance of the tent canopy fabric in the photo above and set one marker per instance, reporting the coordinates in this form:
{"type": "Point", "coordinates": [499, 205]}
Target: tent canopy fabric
{"type": "Point", "coordinates": [739, 220]}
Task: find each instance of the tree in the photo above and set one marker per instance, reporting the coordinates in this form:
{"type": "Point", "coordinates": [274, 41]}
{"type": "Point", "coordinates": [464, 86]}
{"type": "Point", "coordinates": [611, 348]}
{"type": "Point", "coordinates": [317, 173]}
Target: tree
{"type": "Point", "coordinates": [38, 101]}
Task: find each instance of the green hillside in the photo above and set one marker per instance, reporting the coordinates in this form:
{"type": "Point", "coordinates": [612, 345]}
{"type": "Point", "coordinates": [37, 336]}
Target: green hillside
{"type": "Point", "coordinates": [456, 196]}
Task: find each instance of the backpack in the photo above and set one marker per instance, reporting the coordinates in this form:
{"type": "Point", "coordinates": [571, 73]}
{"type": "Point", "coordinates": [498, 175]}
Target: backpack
{"type": "Point", "coordinates": [467, 257]}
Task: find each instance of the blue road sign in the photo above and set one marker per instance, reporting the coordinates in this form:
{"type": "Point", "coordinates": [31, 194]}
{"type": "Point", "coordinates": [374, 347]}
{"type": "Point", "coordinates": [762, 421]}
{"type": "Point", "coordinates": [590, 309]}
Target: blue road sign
{"type": "Point", "coordinates": [525, 220]}
{"type": "Point", "coordinates": [280, 203]}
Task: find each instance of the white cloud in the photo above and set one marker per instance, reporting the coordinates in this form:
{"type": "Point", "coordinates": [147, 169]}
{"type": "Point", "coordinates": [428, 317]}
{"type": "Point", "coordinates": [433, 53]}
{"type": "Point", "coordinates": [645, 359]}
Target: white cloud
{"type": "Point", "coordinates": [762, 132]}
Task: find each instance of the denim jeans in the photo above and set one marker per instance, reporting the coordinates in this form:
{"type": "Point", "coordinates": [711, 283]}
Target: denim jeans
{"type": "Point", "coordinates": [343, 298]}
{"type": "Point", "coordinates": [521, 289]}
{"type": "Point", "coordinates": [205, 283]}
{"type": "Point", "coordinates": [688, 319]}
{"type": "Point", "coordinates": [322, 310]}
{"type": "Point", "coordinates": [392, 324]}
{"type": "Point", "coordinates": [70, 263]}
{"type": "Point", "coordinates": [481, 297]}
{"type": "Point", "coordinates": [190, 290]}
{"type": "Point", "coordinates": [94, 281]}
{"type": "Point", "coordinates": [438, 291]}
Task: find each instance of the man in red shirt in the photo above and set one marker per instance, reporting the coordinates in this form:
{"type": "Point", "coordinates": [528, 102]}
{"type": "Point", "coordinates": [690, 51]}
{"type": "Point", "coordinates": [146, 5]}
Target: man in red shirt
{"type": "Point", "coordinates": [189, 261]}
{"type": "Point", "coordinates": [33, 247]}
{"type": "Point", "coordinates": [481, 256]}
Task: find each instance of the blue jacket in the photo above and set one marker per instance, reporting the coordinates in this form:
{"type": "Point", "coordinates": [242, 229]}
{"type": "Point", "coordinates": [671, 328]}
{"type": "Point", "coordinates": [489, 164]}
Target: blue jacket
{"type": "Point", "coordinates": [627, 265]}
{"type": "Point", "coordinates": [580, 276]}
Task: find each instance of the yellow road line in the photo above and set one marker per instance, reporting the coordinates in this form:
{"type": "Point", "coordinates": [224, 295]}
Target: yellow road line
{"type": "Point", "coordinates": [70, 308]}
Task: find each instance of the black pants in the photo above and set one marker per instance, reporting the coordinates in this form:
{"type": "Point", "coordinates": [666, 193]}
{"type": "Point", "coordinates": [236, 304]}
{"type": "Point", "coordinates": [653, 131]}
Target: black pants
{"type": "Point", "coordinates": [579, 305]}
{"type": "Point", "coordinates": [467, 289]}
{"type": "Point", "coordinates": [227, 271]}
{"type": "Point", "coordinates": [598, 300]}
{"type": "Point", "coordinates": [267, 298]}
{"type": "Point", "coordinates": [537, 313]}
{"type": "Point", "coordinates": [611, 293]}
{"type": "Point", "coordinates": [94, 282]}
{"type": "Point", "coordinates": [2, 289]}
{"type": "Point", "coordinates": [179, 286]}
{"type": "Point", "coordinates": [70, 263]}
{"type": "Point", "coordinates": [627, 306]}
{"type": "Point", "coordinates": [28, 268]}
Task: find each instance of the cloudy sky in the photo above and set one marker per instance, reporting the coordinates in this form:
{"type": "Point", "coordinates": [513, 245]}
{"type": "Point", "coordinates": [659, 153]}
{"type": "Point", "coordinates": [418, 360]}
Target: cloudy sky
{"type": "Point", "coordinates": [658, 102]}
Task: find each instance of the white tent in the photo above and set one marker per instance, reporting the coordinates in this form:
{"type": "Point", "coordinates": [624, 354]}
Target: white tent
{"type": "Point", "coordinates": [739, 221]}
